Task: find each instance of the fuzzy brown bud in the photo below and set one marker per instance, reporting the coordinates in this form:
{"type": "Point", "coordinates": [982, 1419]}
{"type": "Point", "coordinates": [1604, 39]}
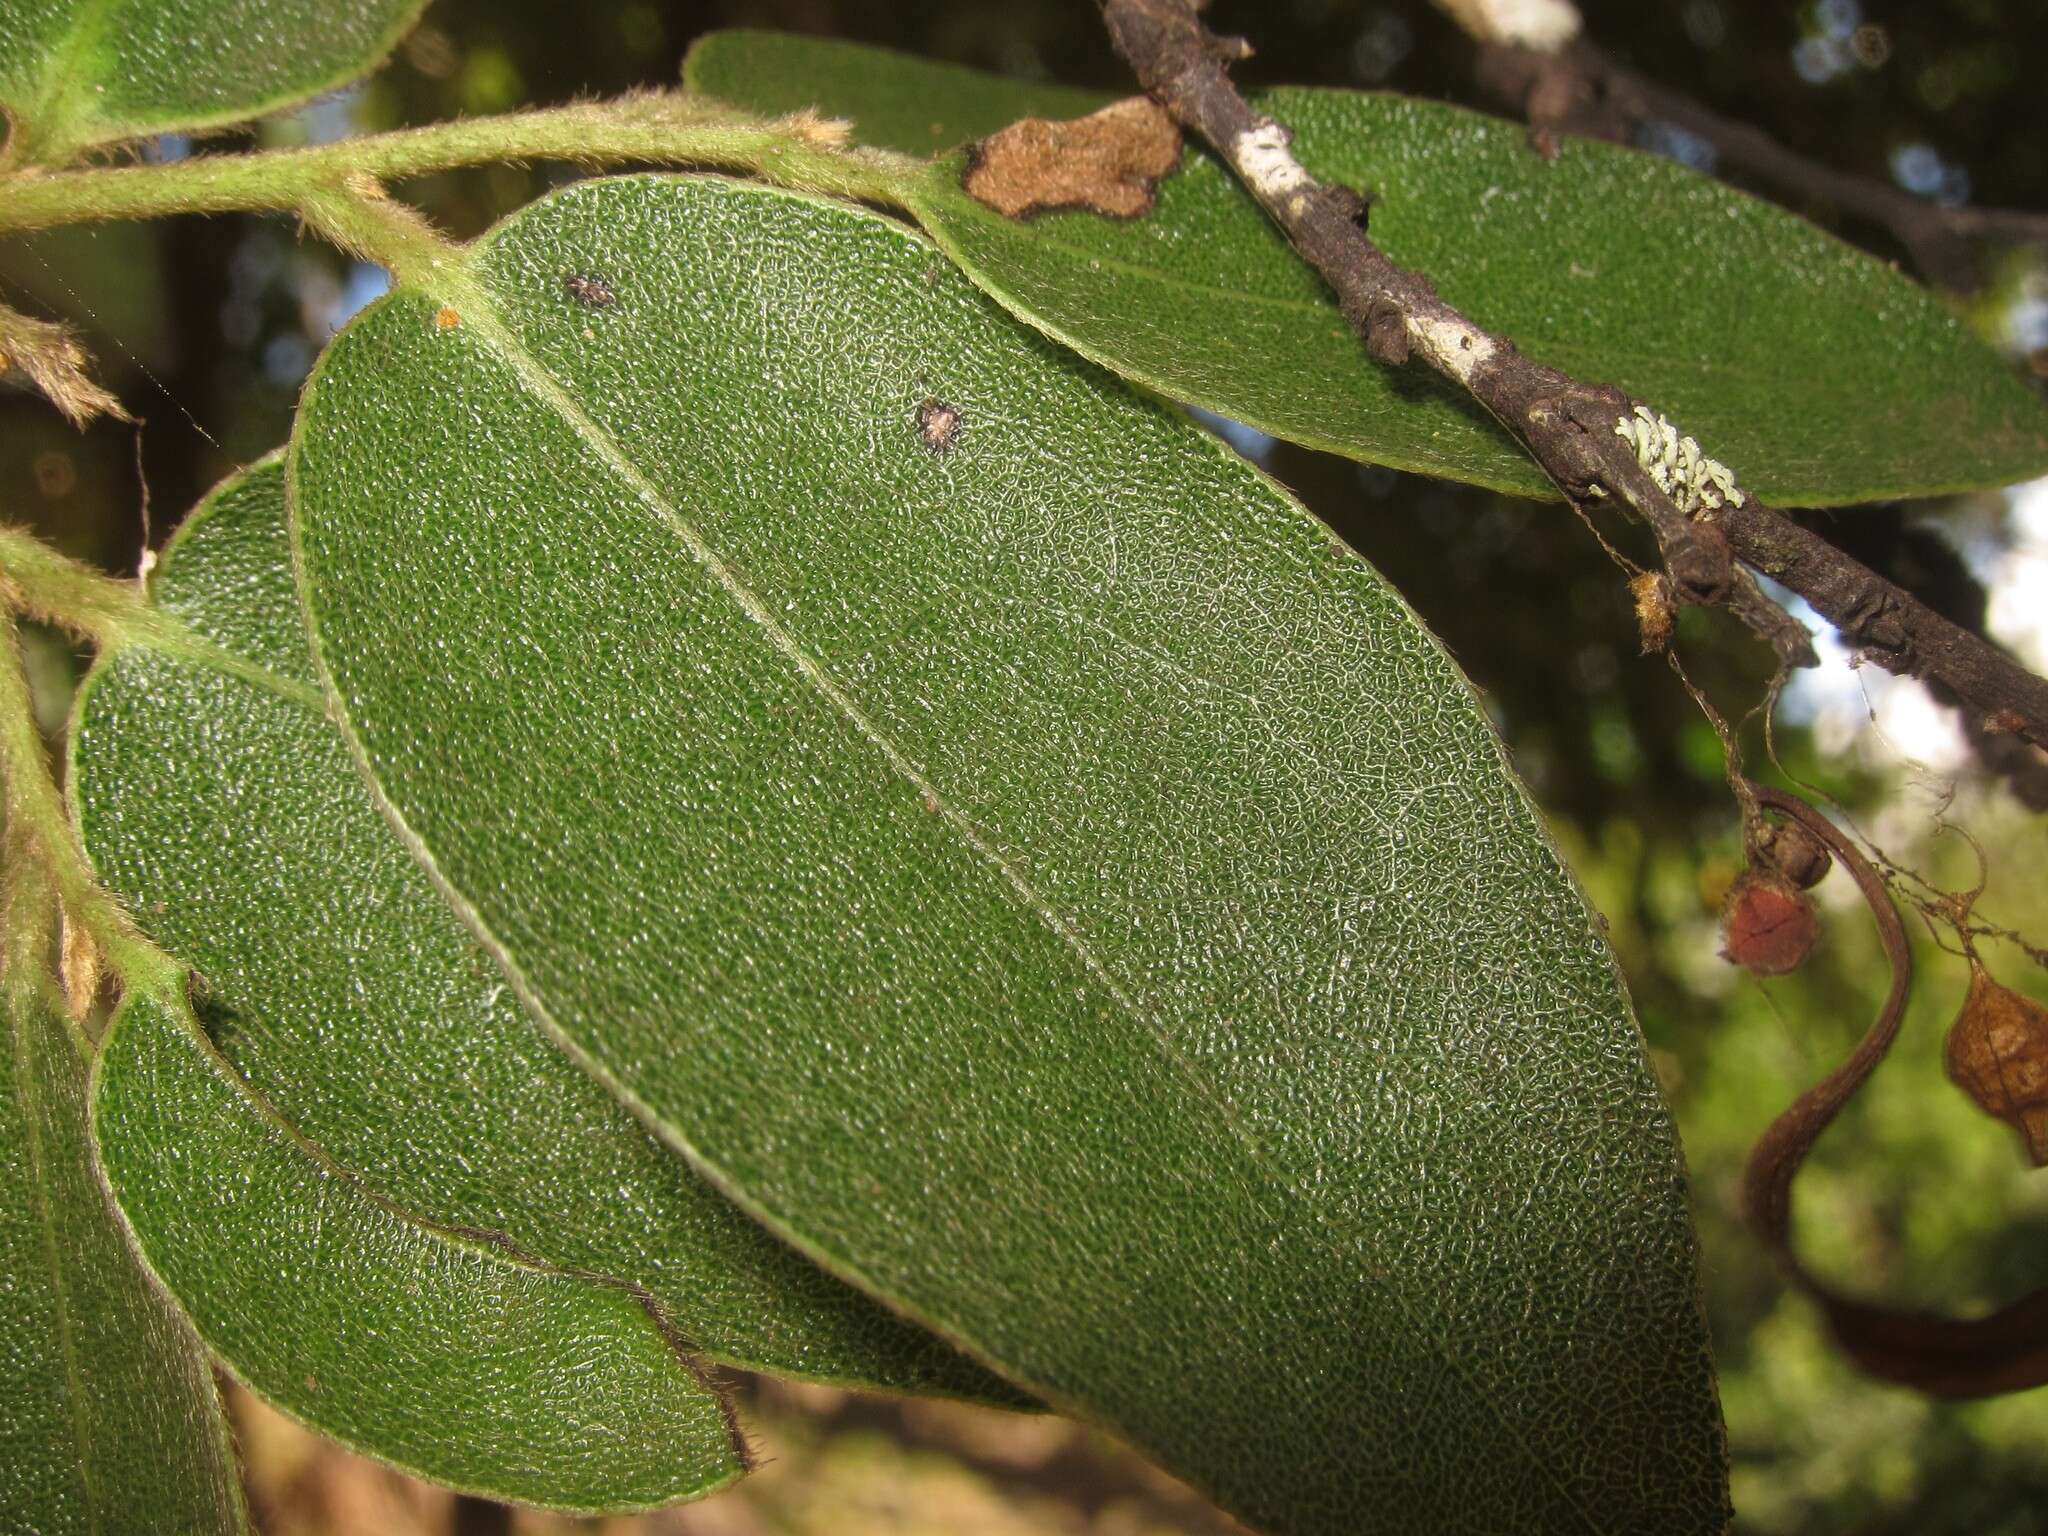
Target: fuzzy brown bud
{"type": "Point", "coordinates": [1792, 851]}
{"type": "Point", "coordinates": [1998, 1054]}
{"type": "Point", "coordinates": [1656, 610]}
{"type": "Point", "coordinates": [1768, 926]}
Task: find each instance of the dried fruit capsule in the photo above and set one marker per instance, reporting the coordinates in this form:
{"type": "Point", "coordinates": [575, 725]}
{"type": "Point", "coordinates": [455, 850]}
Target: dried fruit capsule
{"type": "Point", "coordinates": [1768, 927]}
{"type": "Point", "coordinates": [1793, 852]}
{"type": "Point", "coordinates": [1998, 1055]}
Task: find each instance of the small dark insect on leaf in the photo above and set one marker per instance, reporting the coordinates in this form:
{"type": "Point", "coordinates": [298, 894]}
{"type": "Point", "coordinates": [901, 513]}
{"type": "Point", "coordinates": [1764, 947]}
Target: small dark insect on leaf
{"type": "Point", "coordinates": [593, 292]}
{"type": "Point", "coordinates": [938, 423]}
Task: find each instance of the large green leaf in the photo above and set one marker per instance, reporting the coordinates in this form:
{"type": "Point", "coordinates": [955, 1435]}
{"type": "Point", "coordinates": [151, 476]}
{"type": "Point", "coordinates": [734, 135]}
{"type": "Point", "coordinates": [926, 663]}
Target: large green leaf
{"type": "Point", "coordinates": [75, 73]}
{"type": "Point", "coordinates": [938, 106]}
{"type": "Point", "coordinates": [1820, 374]}
{"type": "Point", "coordinates": [107, 1408]}
{"type": "Point", "coordinates": [1016, 851]}
{"type": "Point", "coordinates": [222, 806]}
{"type": "Point", "coordinates": [442, 1354]}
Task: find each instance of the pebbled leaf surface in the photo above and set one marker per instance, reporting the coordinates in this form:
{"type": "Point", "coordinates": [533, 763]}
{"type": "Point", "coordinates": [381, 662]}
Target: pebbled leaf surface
{"type": "Point", "coordinates": [1814, 370]}
{"type": "Point", "coordinates": [222, 806]}
{"type": "Point", "coordinates": [75, 73]}
{"type": "Point", "coordinates": [942, 107]}
{"type": "Point", "coordinates": [107, 1407]}
{"type": "Point", "coordinates": [444, 1356]}
{"type": "Point", "coordinates": [1020, 854]}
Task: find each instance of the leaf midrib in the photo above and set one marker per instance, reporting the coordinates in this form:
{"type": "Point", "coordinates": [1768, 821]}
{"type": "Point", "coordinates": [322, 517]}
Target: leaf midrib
{"type": "Point", "coordinates": [226, 663]}
{"type": "Point", "coordinates": [89, 19]}
{"type": "Point", "coordinates": [462, 288]}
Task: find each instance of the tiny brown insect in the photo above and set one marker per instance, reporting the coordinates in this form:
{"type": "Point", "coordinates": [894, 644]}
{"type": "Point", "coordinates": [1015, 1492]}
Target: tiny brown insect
{"type": "Point", "coordinates": [446, 318]}
{"type": "Point", "coordinates": [593, 292]}
{"type": "Point", "coordinates": [939, 424]}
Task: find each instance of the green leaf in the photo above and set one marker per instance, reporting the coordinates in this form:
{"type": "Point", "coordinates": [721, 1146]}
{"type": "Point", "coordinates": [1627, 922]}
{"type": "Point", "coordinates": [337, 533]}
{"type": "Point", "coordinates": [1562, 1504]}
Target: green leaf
{"type": "Point", "coordinates": [1815, 371]}
{"type": "Point", "coordinates": [218, 801]}
{"type": "Point", "coordinates": [1016, 851]}
{"type": "Point", "coordinates": [939, 106]}
{"type": "Point", "coordinates": [76, 73]}
{"type": "Point", "coordinates": [107, 1407]}
{"type": "Point", "coordinates": [443, 1355]}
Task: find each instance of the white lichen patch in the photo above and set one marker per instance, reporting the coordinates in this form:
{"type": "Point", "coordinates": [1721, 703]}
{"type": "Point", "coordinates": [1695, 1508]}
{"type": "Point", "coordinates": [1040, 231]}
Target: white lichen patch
{"type": "Point", "coordinates": [1691, 479]}
{"type": "Point", "coordinates": [1453, 345]}
{"type": "Point", "coordinates": [1262, 154]}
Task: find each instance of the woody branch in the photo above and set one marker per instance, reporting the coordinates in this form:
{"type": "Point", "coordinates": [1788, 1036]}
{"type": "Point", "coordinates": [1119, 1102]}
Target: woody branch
{"type": "Point", "coordinates": [1592, 440]}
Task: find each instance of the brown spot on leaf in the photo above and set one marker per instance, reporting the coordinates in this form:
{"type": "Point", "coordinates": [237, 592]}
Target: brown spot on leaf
{"type": "Point", "coordinates": [1107, 162]}
{"type": "Point", "coordinates": [938, 424]}
{"type": "Point", "coordinates": [1998, 1054]}
{"type": "Point", "coordinates": [446, 318]}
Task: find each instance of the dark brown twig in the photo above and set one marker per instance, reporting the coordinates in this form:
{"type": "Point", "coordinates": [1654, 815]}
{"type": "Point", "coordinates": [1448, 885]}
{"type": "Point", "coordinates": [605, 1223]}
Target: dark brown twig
{"type": "Point", "coordinates": [1578, 89]}
{"type": "Point", "coordinates": [1577, 432]}
{"type": "Point", "coordinates": [1910, 553]}
{"type": "Point", "coordinates": [1889, 625]}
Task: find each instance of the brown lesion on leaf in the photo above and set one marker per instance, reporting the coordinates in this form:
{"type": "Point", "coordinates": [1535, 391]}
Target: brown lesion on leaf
{"type": "Point", "coordinates": [55, 362]}
{"type": "Point", "coordinates": [938, 424]}
{"type": "Point", "coordinates": [1108, 162]}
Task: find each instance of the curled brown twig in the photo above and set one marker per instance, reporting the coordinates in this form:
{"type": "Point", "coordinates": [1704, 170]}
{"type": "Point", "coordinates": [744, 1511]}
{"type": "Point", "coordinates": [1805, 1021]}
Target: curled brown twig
{"type": "Point", "coordinates": [2005, 1351]}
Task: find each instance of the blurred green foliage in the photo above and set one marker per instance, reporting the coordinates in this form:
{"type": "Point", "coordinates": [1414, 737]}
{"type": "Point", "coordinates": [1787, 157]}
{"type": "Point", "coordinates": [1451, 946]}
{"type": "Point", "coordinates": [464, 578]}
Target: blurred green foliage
{"type": "Point", "coordinates": [206, 328]}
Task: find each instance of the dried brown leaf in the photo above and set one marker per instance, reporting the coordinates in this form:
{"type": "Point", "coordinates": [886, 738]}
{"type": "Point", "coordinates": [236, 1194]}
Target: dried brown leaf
{"type": "Point", "coordinates": [1108, 162]}
{"type": "Point", "coordinates": [1998, 1054]}
{"type": "Point", "coordinates": [58, 365]}
{"type": "Point", "coordinates": [1656, 611]}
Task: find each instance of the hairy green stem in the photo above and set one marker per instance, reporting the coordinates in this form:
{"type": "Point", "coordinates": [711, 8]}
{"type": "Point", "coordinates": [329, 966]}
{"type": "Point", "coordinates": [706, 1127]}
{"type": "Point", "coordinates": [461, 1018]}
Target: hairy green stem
{"type": "Point", "coordinates": [41, 852]}
{"type": "Point", "coordinates": [359, 218]}
{"type": "Point", "coordinates": [662, 129]}
{"type": "Point", "coordinates": [109, 614]}
{"type": "Point", "coordinates": [54, 589]}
